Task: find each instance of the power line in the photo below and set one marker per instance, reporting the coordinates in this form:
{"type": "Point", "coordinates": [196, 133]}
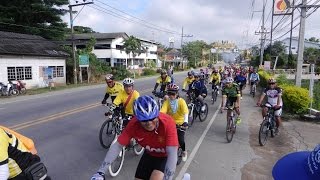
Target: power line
{"type": "Point", "coordinates": [137, 17]}
{"type": "Point", "coordinates": [104, 10]}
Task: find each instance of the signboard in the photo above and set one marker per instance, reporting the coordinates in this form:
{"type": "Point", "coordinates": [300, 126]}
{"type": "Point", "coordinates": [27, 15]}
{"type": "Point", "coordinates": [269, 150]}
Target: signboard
{"type": "Point", "coordinates": [267, 65]}
{"type": "Point", "coordinates": [48, 73]}
{"type": "Point", "coordinates": [282, 7]}
{"type": "Point", "coordinates": [84, 60]}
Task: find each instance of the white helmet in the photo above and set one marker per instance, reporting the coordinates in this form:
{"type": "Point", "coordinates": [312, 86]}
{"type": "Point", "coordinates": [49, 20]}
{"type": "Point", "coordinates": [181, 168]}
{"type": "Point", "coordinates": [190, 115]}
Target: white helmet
{"type": "Point", "coordinates": [229, 80]}
{"type": "Point", "coordinates": [128, 81]}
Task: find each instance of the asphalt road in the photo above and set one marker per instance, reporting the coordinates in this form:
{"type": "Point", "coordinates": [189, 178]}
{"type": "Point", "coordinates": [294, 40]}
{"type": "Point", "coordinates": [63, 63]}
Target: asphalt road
{"type": "Point", "coordinates": [65, 127]}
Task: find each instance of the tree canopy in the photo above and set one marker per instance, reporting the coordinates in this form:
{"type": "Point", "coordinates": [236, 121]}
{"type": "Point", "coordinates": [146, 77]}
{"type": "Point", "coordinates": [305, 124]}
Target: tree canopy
{"type": "Point", "coordinates": [38, 17]}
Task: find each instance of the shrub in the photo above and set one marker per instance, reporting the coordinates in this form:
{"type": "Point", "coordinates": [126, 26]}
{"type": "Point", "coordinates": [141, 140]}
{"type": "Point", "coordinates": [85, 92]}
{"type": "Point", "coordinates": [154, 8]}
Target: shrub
{"type": "Point", "coordinates": [282, 79]}
{"type": "Point", "coordinates": [147, 72]}
{"type": "Point", "coordinates": [120, 73]}
{"type": "Point", "coordinates": [295, 99]}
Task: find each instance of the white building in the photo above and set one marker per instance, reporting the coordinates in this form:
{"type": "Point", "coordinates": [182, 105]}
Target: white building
{"type": "Point", "coordinates": [294, 45]}
{"type": "Point", "coordinates": [26, 58]}
{"type": "Point", "coordinates": [109, 49]}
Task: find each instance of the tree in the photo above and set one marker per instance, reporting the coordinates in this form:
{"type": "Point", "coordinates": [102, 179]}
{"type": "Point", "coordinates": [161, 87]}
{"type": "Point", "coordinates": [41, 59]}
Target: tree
{"type": "Point", "coordinates": [38, 17]}
{"type": "Point", "coordinates": [81, 30]}
{"type": "Point", "coordinates": [193, 51]}
{"type": "Point", "coordinates": [132, 45]}
{"type": "Point", "coordinates": [311, 55]}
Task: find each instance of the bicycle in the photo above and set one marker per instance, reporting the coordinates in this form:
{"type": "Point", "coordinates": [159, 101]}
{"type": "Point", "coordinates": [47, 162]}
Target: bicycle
{"type": "Point", "coordinates": [194, 107]}
{"type": "Point", "coordinates": [253, 88]}
{"type": "Point", "coordinates": [231, 124]}
{"type": "Point", "coordinates": [214, 94]}
{"type": "Point", "coordinates": [116, 166]}
{"type": "Point", "coordinates": [267, 125]}
{"type": "Point", "coordinates": [183, 129]}
{"type": "Point", "coordinates": [160, 95]}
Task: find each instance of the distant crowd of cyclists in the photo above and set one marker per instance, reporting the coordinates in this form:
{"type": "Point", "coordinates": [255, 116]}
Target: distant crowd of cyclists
{"type": "Point", "coordinates": [152, 126]}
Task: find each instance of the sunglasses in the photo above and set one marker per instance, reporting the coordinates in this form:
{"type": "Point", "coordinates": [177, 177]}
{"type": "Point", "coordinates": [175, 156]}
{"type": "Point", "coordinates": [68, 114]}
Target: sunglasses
{"type": "Point", "coordinates": [127, 86]}
{"type": "Point", "coordinates": [272, 83]}
{"type": "Point", "coordinates": [147, 121]}
{"type": "Point", "coordinates": [172, 93]}
{"type": "Point", "coordinates": [109, 82]}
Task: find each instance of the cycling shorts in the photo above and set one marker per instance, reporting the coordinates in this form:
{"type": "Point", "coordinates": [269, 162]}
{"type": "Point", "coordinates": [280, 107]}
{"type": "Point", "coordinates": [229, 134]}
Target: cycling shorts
{"type": "Point", "coordinates": [254, 82]}
{"type": "Point", "coordinates": [149, 163]}
{"type": "Point", "coordinates": [231, 101]}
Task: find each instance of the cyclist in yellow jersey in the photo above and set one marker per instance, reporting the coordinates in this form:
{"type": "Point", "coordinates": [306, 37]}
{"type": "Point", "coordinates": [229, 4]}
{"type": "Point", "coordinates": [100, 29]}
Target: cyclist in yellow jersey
{"type": "Point", "coordinates": [112, 89]}
{"type": "Point", "coordinates": [163, 81]}
{"type": "Point", "coordinates": [215, 77]}
{"type": "Point", "coordinates": [16, 162]}
{"type": "Point", "coordinates": [177, 108]}
{"type": "Point", "coordinates": [188, 80]}
{"type": "Point", "coordinates": [126, 98]}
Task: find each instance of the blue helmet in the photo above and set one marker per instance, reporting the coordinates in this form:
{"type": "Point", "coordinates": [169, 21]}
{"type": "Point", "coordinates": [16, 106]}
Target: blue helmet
{"type": "Point", "coordinates": [146, 108]}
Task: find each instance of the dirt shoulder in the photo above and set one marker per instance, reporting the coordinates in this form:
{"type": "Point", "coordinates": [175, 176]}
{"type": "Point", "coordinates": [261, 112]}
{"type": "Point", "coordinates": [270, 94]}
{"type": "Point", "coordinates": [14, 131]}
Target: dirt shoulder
{"type": "Point", "coordinates": [294, 136]}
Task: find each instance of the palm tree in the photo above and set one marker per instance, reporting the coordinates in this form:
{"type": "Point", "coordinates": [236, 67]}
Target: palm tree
{"type": "Point", "coordinates": [132, 45]}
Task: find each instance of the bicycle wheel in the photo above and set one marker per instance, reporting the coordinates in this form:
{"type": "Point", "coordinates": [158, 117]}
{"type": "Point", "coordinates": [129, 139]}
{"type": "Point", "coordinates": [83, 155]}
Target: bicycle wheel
{"type": "Point", "coordinates": [179, 155]}
{"type": "Point", "coordinates": [116, 165]}
{"type": "Point", "coordinates": [253, 91]}
{"type": "Point", "coordinates": [137, 148]}
{"type": "Point", "coordinates": [229, 130]}
{"type": "Point", "coordinates": [107, 134]}
{"type": "Point", "coordinates": [263, 132]}
{"type": "Point", "coordinates": [194, 116]}
{"type": "Point", "coordinates": [203, 115]}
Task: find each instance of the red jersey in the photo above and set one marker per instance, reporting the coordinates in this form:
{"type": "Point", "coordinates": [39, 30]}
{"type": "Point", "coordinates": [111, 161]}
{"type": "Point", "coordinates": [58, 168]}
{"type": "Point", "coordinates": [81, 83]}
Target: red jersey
{"type": "Point", "coordinates": [154, 142]}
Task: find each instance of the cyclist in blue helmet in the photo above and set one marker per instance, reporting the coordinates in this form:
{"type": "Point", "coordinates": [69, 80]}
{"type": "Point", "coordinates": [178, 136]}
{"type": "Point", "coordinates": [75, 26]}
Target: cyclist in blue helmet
{"type": "Point", "coordinates": [156, 132]}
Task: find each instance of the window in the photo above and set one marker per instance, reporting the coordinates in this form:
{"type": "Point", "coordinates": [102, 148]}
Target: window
{"type": "Point", "coordinates": [107, 61]}
{"type": "Point", "coordinates": [153, 52]}
{"type": "Point", "coordinates": [102, 46]}
{"type": "Point", "coordinates": [81, 46]}
{"type": "Point", "coordinates": [119, 62]}
{"type": "Point", "coordinates": [19, 73]}
{"type": "Point", "coordinates": [57, 71]}
{"type": "Point", "coordinates": [119, 47]}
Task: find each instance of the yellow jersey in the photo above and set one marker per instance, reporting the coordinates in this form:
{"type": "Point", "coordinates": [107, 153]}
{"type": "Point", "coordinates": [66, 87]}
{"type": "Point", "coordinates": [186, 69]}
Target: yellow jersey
{"type": "Point", "coordinates": [114, 91]}
{"type": "Point", "coordinates": [122, 98]}
{"type": "Point", "coordinates": [9, 141]}
{"type": "Point", "coordinates": [187, 81]}
{"type": "Point", "coordinates": [164, 81]}
{"type": "Point", "coordinates": [215, 77]}
{"type": "Point", "coordinates": [182, 109]}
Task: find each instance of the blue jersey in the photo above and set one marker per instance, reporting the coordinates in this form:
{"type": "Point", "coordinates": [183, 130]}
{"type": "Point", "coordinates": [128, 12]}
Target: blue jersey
{"type": "Point", "coordinates": [240, 79]}
{"type": "Point", "coordinates": [198, 87]}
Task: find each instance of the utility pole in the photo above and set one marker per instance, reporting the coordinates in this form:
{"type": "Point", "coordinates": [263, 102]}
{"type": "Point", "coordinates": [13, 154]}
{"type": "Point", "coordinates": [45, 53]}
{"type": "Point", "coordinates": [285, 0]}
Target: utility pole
{"type": "Point", "coordinates": [182, 36]}
{"type": "Point", "coordinates": [301, 42]}
{"type": "Point", "coordinates": [72, 39]}
{"type": "Point", "coordinates": [303, 17]}
{"type": "Point", "coordinates": [262, 32]}
{"type": "Point", "coordinates": [271, 28]}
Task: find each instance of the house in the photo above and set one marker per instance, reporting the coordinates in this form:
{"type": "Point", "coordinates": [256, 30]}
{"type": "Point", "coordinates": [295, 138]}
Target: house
{"type": "Point", "coordinates": [174, 58]}
{"type": "Point", "coordinates": [109, 49]}
{"type": "Point", "coordinates": [32, 59]}
{"type": "Point", "coordinates": [294, 44]}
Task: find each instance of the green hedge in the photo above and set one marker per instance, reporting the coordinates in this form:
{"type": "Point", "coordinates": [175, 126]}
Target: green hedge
{"type": "Point", "coordinates": [295, 99]}
{"type": "Point", "coordinates": [148, 72]}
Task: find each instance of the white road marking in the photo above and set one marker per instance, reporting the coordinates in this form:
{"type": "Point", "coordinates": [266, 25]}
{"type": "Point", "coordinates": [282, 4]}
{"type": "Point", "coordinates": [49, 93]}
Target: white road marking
{"type": "Point", "coordinates": [196, 148]}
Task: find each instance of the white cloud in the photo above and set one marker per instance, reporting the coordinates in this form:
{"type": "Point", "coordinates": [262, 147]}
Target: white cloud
{"type": "Point", "coordinates": [208, 20]}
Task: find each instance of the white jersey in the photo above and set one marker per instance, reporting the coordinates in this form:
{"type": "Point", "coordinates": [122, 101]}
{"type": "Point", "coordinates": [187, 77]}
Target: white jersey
{"type": "Point", "coordinates": [273, 95]}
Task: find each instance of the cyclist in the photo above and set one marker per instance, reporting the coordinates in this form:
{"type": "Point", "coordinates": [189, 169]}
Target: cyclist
{"type": "Point", "coordinates": [177, 108]}
{"type": "Point", "coordinates": [163, 81]}
{"type": "Point", "coordinates": [215, 79]}
{"type": "Point", "coordinates": [156, 132]}
{"type": "Point", "coordinates": [254, 79]}
{"type": "Point", "coordinates": [274, 94]}
{"type": "Point", "coordinates": [17, 162]}
{"type": "Point", "coordinates": [112, 89]}
{"type": "Point", "coordinates": [202, 76]}
{"type": "Point", "coordinates": [242, 81]}
{"type": "Point", "coordinates": [199, 89]}
{"type": "Point", "coordinates": [231, 97]}
{"type": "Point", "coordinates": [188, 80]}
{"type": "Point", "coordinates": [126, 98]}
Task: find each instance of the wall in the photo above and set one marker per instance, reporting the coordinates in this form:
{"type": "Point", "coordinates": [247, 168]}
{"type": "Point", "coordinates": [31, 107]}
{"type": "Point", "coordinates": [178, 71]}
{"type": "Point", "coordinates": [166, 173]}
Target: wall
{"type": "Point", "coordinates": [294, 45]}
{"type": "Point", "coordinates": [35, 63]}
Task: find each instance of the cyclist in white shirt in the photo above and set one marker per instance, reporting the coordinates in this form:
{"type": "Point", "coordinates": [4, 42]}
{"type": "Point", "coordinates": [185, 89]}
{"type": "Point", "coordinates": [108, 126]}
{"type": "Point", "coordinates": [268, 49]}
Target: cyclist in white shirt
{"type": "Point", "coordinates": [273, 93]}
{"type": "Point", "coordinates": [254, 78]}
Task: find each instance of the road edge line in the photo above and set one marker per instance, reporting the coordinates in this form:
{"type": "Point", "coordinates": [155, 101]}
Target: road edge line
{"type": "Point", "coordinates": [196, 148]}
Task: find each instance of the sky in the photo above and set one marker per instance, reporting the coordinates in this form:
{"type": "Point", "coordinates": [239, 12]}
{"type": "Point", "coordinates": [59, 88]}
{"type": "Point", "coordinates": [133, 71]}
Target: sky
{"type": "Point", "coordinates": [209, 20]}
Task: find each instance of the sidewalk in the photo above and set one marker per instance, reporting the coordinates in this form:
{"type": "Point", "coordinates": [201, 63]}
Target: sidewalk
{"type": "Point", "coordinates": [294, 136]}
